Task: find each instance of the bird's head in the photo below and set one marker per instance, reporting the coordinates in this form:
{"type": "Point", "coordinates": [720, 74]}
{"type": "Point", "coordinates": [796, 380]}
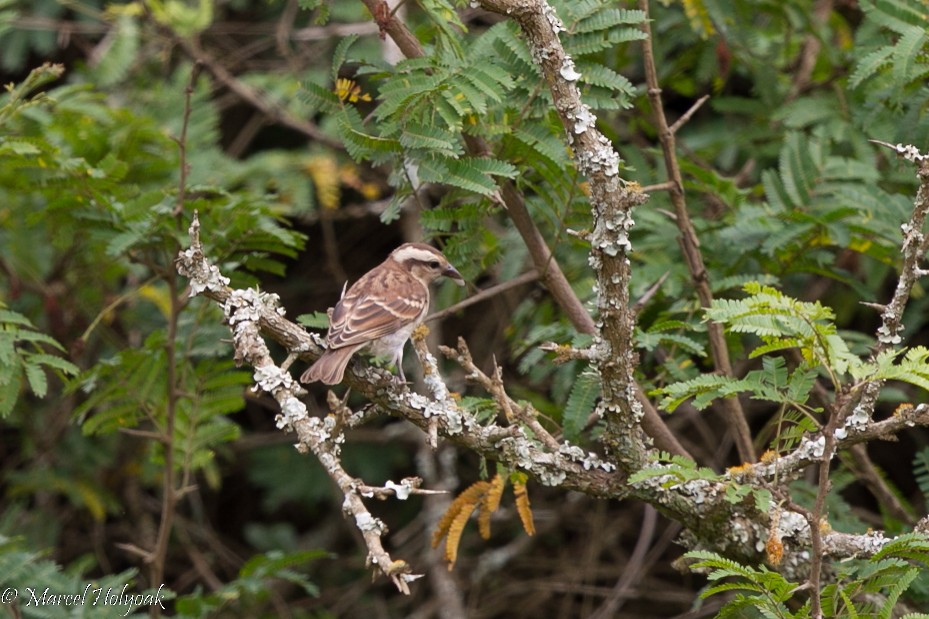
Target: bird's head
{"type": "Point", "coordinates": [425, 263]}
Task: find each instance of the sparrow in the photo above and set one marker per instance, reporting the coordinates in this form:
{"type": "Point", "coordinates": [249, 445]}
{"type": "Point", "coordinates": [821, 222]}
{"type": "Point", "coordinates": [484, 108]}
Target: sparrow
{"type": "Point", "coordinates": [379, 312]}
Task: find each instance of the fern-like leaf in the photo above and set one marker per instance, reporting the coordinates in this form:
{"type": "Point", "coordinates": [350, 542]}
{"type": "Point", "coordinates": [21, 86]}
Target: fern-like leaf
{"type": "Point", "coordinates": [580, 403]}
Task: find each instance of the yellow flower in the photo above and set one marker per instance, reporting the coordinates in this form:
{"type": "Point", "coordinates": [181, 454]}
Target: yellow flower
{"type": "Point", "coordinates": [348, 90]}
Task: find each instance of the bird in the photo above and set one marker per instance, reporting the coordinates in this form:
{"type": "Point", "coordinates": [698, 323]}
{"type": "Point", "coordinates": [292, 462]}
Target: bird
{"type": "Point", "coordinates": [380, 311]}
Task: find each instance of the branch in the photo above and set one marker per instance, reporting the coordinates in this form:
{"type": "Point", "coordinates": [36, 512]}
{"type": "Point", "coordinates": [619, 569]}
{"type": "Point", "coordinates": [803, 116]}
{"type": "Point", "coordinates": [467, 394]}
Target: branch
{"type": "Point", "coordinates": [690, 244]}
{"type": "Point", "coordinates": [512, 410]}
{"type": "Point", "coordinates": [483, 295]}
{"type": "Point", "coordinates": [544, 261]}
{"type": "Point", "coordinates": [612, 202]}
{"type": "Point", "coordinates": [914, 248]}
{"type": "Point", "coordinates": [245, 312]}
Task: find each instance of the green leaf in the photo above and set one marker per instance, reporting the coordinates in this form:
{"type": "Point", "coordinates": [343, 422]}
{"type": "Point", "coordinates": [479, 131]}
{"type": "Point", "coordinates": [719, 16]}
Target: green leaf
{"type": "Point", "coordinates": [316, 320]}
{"type": "Point", "coordinates": [608, 19]}
{"type": "Point", "coordinates": [340, 53]}
{"type": "Point", "coordinates": [580, 404]}
{"type": "Point", "coordinates": [10, 384]}
{"type": "Point", "coordinates": [469, 173]}
{"type": "Point", "coordinates": [437, 140]}
{"type": "Point", "coordinates": [35, 375]}
{"type": "Point", "coordinates": [320, 98]}
{"type": "Point", "coordinates": [362, 145]}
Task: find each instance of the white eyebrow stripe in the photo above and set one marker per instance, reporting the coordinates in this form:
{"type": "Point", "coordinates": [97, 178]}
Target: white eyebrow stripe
{"type": "Point", "coordinates": [415, 253]}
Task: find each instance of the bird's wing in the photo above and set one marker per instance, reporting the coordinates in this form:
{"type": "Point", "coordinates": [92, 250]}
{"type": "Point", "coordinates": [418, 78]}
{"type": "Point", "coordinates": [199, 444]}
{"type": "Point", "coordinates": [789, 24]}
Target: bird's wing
{"type": "Point", "coordinates": [378, 304]}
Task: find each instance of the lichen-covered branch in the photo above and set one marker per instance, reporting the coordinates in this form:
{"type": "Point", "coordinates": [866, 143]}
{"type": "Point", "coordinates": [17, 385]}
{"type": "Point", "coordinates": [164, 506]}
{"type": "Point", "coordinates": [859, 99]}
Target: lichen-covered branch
{"type": "Point", "coordinates": [914, 247]}
{"type": "Point", "coordinates": [244, 311]}
{"type": "Point", "coordinates": [612, 202]}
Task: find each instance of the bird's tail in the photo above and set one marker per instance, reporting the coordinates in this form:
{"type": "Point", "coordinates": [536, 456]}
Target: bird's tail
{"type": "Point", "coordinates": [330, 367]}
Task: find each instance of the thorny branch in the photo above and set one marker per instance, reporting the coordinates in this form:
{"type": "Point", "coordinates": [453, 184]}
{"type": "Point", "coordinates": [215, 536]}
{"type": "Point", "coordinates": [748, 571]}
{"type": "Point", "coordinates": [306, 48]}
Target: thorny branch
{"type": "Point", "coordinates": [841, 412]}
{"type": "Point", "coordinates": [512, 410]}
{"type": "Point", "coordinates": [612, 202]}
{"type": "Point", "coordinates": [690, 244]}
{"type": "Point", "coordinates": [915, 243]}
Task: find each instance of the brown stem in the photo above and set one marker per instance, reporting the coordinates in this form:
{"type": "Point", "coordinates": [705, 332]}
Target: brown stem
{"type": "Point", "coordinates": [170, 492]}
{"type": "Point", "coordinates": [690, 244]}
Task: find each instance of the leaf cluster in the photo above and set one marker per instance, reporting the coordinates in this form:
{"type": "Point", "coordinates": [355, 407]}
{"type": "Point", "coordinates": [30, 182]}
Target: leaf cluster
{"type": "Point", "coordinates": [24, 355]}
{"type": "Point", "coordinates": [869, 588]}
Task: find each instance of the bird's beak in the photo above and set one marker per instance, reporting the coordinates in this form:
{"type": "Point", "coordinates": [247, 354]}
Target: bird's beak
{"type": "Point", "coordinates": [453, 273]}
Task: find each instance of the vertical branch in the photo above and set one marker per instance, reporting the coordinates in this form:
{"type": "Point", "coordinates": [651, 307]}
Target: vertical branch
{"type": "Point", "coordinates": [170, 491]}
{"type": "Point", "coordinates": [612, 203]}
{"type": "Point", "coordinates": [914, 248]}
{"type": "Point", "coordinates": [690, 245]}
{"type": "Point", "coordinates": [842, 413]}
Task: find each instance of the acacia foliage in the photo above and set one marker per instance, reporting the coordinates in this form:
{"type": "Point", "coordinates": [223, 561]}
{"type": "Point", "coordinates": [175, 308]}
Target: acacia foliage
{"type": "Point", "coordinates": [789, 193]}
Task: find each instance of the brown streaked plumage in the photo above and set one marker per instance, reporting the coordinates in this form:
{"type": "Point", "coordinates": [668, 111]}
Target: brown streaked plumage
{"type": "Point", "coordinates": [380, 311]}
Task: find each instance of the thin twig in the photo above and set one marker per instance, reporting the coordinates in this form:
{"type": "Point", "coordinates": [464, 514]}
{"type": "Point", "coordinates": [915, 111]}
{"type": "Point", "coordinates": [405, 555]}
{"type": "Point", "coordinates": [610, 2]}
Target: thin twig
{"type": "Point", "coordinates": [632, 571]}
{"type": "Point", "coordinates": [809, 51]}
{"type": "Point", "coordinates": [665, 186]}
{"type": "Point", "coordinates": [487, 293]}
{"type": "Point", "coordinates": [680, 122]}
{"type": "Point", "coordinates": [513, 411]}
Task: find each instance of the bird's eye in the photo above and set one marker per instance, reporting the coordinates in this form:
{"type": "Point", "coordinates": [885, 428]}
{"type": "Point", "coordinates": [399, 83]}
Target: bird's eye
{"type": "Point", "coordinates": [434, 264]}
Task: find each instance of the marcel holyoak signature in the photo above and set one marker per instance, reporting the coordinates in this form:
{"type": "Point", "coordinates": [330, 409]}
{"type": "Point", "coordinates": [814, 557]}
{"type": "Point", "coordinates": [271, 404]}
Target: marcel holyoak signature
{"type": "Point", "coordinates": [91, 595]}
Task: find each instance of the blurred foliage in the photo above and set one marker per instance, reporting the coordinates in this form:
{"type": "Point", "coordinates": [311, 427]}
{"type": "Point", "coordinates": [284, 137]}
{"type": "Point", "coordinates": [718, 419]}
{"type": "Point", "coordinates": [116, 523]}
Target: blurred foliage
{"type": "Point", "coordinates": [108, 370]}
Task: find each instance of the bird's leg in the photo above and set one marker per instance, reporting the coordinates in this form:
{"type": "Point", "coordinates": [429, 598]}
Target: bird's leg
{"type": "Point", "coordinates": [398, 361]}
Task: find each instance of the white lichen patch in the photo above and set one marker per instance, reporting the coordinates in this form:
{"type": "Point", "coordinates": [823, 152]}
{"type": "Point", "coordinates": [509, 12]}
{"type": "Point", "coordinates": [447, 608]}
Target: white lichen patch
{"type": "Point", "coordinates": [292, 411]}
{"type": "Point", "coordinates": [271, 377]}
{"type": "Point", "coordinates": [191, 263]}
{"type": "Point", "coordinates": [403, 490]}
{"type": "Point", "coordinates": [552, 17]}
{"type": "Point", "coordinates": [569, 73]}
{"type": "Point", "coordinates": [243, 306]}
{"type": "Point", "coordinates": [599, 158]}
{"type": "Point", "coordinates": [455, 419]}
{"type": "Point", "coordinates": [884, 336]}
{"type": "Point", "coordinates": [909, 152]}
{"type": "Point", "coordinates": [611, 234]}
{"type": "Point", "coordinates": [873, 541]}
{"type": "Point", "coordinates": [588, 459]}
{"type": "Point", "coordinates": [812, 448]}
{"type": "Point", "coordinates": [366, 522]}
{"type": "Point", "coordinates": [792, 524]}
{"type": "Point", "coordinates": [856, 421]}
{"type": "Point", "coordinates": [700, 490]}
{"type": "Point", "coordinates": [583, 119]}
